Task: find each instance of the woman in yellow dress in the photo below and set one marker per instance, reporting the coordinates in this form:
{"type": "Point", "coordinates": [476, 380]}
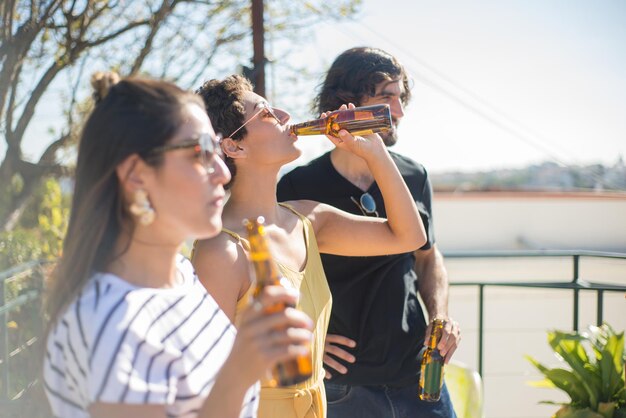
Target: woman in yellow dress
{"type": "Point", "coordinates": [258, 144]}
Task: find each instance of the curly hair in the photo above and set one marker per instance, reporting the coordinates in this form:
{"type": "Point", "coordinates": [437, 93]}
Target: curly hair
{"type": "Point", "coordinates": [223, 101]}
{"type": "Point", "coordinates": [355, 74]}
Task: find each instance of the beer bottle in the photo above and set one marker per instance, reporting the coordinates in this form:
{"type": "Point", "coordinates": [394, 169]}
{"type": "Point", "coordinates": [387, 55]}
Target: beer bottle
{"type": "Point", "coordinates": [431, 376]}
{"type": "Point", "coordinates": [358, 121]}
{"type": "Point", "coordinates": [291, 371]}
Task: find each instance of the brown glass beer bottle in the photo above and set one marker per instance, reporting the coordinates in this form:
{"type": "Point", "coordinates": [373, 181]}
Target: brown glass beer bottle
{"type": "Point", "coordinates": [431, 376]}
{"type": "Point", "coordinates": [358, 121]}
{"type": "Point", "coordinates": [300, 368]}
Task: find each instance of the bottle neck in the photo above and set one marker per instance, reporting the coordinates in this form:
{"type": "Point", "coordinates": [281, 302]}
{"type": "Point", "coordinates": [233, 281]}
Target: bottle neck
{"type": "Point", "coordinates": [358, 121]}
{"type": "Point", "coordinates": [435, 333]}
{"type": "Point", "coordinates": [265, 269]}
{"type": "Point", "coordinates": [313, 127]}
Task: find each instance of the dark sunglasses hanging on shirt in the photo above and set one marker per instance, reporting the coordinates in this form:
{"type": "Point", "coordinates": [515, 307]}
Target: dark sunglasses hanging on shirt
{"type": "Point", "coordinates": [366, 204]}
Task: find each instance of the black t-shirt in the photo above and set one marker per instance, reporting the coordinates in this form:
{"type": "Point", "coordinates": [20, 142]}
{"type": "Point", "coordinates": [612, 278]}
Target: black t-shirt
{"type": "Point", "coordinates": [374, 298]}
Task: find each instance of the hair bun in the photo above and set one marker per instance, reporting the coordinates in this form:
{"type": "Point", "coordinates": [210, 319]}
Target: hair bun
{"type": "Point", "coordinates": [102, 81]}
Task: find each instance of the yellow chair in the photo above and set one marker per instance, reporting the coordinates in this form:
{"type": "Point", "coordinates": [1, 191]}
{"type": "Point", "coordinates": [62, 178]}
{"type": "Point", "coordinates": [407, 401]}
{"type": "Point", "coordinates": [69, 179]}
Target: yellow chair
{"type": "Point", "coordinates": [466, 390]}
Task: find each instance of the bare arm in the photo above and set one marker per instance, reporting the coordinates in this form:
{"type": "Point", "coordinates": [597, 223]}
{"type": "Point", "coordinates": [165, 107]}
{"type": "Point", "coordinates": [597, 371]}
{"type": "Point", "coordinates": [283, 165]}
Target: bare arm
{"type": "Point", "coordinates": [341, 233]}
{"type": "Point", "coordinates": [433, 281]}
{"type": "Point", "coordinates": [433, 288]}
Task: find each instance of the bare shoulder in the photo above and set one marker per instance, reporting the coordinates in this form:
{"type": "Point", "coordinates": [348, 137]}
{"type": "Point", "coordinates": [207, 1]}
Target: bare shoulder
{"type": "Point", "coordinates": [217, 249]}
{"type": "Point", "coordinates": [316, 212]}
{"type": "Point", "coordinates": [222, 267]}
{"type": "Point", "coordinates": [305, 207]}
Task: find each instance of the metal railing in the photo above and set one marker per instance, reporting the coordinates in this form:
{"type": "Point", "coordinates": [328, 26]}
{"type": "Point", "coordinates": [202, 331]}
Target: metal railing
{"type": "Point", "coordinates": [34, 270]}
{"type": "Point", "coordinates": [20, 318]}
{"type": "Point", "coordinates": [576, 284]}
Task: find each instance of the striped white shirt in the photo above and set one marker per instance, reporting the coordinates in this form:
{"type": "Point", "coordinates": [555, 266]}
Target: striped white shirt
{"type": "Point", "coordinates": [119, 343]}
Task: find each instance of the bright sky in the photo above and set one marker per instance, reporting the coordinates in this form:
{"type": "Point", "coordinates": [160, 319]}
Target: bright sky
{"type": "Point", "coordinates": [498, 83]}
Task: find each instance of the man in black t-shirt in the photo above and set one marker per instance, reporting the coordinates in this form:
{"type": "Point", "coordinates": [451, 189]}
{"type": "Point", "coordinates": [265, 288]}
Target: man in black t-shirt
{"type": "Point", "coordinates": [377, 327]}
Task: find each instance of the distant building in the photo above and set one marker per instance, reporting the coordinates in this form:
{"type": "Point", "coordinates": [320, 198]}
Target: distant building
{"type": "Point", "coordinates": [531, 220]}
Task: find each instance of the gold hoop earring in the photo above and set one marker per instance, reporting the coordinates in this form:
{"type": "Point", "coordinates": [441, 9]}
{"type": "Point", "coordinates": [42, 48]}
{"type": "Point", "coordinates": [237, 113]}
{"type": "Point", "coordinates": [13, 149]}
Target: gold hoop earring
{"type": "Point", "coordinates": [142, 209]}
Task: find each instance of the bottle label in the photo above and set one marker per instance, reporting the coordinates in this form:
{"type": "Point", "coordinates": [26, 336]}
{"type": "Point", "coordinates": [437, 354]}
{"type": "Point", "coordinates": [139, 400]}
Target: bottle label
{"type": "Point", "coordinates": [432, 377]}
{"type": "Point", "coordinates": [360, 115]}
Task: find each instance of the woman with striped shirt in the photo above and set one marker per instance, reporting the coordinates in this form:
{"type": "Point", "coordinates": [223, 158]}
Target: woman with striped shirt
{"type": "Point", "coordinates": [132, 331]}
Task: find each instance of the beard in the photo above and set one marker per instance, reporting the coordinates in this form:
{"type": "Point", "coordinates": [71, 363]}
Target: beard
{"type": "Point", "coordinates": [391, 136]}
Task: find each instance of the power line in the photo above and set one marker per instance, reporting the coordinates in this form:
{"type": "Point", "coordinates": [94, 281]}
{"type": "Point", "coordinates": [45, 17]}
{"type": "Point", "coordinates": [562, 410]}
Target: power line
{"type": "Point", "coordinates": [477, 98]}
{"type": "Point", "coordinates": [505, 126]}
{"type": "Point", "coordinates": [502, 120]}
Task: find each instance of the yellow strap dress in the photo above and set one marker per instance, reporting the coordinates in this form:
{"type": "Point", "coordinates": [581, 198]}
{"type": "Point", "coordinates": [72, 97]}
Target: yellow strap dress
{"type": "Point", "coordinates": [306, 399]}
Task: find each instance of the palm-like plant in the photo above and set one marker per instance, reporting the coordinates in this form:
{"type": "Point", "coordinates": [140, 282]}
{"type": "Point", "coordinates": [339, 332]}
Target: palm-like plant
{"type": "Point", "coordinates": [595, 383]}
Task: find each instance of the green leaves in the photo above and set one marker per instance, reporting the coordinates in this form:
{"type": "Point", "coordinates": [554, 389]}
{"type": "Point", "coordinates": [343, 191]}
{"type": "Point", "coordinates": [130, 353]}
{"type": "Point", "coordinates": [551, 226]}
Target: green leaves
{"type": "Point", "coordinates": [595, 383]}
{"type": "Point", "coordinates": [41, 229]}
{"type": "Point", "coordinates": [565, 380]}
{"type": "Point", "coordinates": [570, 412]}
{"type": "Point", "coordinates": [612, 367]}
{"type": "Point", "coordinates": [569, 347]}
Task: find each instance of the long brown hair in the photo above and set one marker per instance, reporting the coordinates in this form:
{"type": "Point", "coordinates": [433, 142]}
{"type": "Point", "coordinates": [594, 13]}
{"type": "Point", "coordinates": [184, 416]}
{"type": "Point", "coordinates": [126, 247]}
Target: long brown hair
{"type": "Point", "coordinates": [131, 116]}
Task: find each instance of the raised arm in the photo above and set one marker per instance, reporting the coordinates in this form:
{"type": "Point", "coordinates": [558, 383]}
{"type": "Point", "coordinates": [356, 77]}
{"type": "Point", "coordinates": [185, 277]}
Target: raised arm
{"type": "Point", "coordinates": [341, 233]}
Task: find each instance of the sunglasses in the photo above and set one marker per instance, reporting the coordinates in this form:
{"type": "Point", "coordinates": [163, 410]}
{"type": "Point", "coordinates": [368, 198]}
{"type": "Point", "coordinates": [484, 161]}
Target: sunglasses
{"type": "Point", "coordinates": [265, 107]}
{"type": "Point", "coordinates": [367, 204]}
{"type": "Point", "coordinates": [206, 146]}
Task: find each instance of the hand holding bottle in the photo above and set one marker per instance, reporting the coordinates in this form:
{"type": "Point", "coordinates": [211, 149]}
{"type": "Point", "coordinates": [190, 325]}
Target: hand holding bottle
{"type": "Point", "coordinates": [366, 146]}
{"type": "Point", "coordinates": [358, 121]}
{"type": "Point", "coordinates": [450, 338]}
{"type": "Point", "coordinates": [265, 339]}
{"type": "Point", "coordinates": [431, 371]}
{"type": "Point", "coordinates": [403, 229]}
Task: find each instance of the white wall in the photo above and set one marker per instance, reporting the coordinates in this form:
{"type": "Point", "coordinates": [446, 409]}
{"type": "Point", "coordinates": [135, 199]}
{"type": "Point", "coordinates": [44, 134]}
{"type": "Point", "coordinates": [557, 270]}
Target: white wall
{"type": "Point", "coordinates": [516, 319]}
{"type": "Point", "coordinates": [488, 221]}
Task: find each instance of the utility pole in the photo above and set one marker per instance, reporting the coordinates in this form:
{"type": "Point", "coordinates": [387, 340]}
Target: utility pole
{"type": "Point", "coordinates": [258, 38]}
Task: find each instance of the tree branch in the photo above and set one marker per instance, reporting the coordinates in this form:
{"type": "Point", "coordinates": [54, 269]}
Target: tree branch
{"type": "Point", "coordinates": [70, 57]}
{"type": "Point", "coordinates": [12, 99]}
{"type": "Point", "coordinates": [115, 34]}
{"type": "Point", "coordinates": [32, 174]}
{"type": "Point", "coordinates": [49, 156]}
{"type": "Point", "coordinates": [17, 46]}
{"type": "Point", "coordinates": [209, 59]}
{"type": "Point", "coordinates": [156, 22]}
{"type": "Point", "coordinates": [194, 81]}
{"type": "Point", "coordinates": [14, 137]}
{"type": "Point", "coordinates": [7, 10]}
{"type": "Point", "coordinates": [51, 36]}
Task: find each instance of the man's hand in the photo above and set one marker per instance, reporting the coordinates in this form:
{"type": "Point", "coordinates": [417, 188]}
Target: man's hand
{"type": "Point", "coordinates": [450, 338]}
{"type": "Point", "coordinates": [329, 348]}
{"type": "Point", "coordinates": [433, 288]}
